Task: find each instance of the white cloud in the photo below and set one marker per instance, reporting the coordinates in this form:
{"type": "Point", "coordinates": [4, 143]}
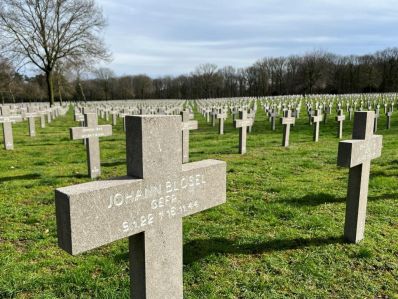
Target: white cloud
{"type": "Point", "coordinates": [172, 37]}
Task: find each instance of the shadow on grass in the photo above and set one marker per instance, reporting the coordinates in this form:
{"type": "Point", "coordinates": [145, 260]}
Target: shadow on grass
{"type": "Point", "coordinates": [115, 163]}
{"type": "Point", "coordinates": [200, 248]}
{"type": "Point", "coordinates": [75, 175]}
{"type": "Point", "coordinates": [30, 176]}
{"type": "Point", "coordinates": [314, 200]}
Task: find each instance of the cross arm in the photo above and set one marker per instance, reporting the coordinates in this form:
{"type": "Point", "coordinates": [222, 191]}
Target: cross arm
{"type": "Point", "coordinates": [355, 152]}
{"type": "Point", "coordinates": [190, 125]}
{"type": "Point", "coordinates": [239, 123]}
{"type": "Point", "coordinates": [93, 214]}
{"type": "Point", "coordinates": [85, 132]}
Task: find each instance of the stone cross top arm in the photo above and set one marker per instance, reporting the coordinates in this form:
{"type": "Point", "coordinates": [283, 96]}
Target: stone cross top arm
{"type": "Point", "coordinates": [357, 155]}
{"type": "Point", "coordinates": [147, 205]}
{"type": "Point", "coordinates": [92, 131]}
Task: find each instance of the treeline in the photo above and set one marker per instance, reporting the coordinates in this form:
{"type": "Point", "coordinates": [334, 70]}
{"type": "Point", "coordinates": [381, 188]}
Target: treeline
{"type": "Point", "coordinates": [315, 72]}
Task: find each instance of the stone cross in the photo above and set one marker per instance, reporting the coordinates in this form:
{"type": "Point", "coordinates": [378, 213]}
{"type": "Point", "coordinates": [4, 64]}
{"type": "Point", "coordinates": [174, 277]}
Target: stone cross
{"type": "Point", "coordinates": [327, 111]}
{"type": "Point", "coordinates": [242, 124]}
{"type": "Point", "coordinates": [222, 115]}
{"type": "Point", "coordinates": [340, 119]}
{"type": "Point", "coordinates": [388, 118]}
{"type": "Point", "coordinates": [91, 132]}
{"type": "Point", "coordinates": [273, 115]}
{"type": "Point", "coordinates": [6, 119]}
{"type": "Point", "coordinates": [357, 155]}
{"type": "Point", "coordinates": [31, 115]}
{"type": "Point", "coordinates": [213, 116]}
{"type": "Point", "coordinates": [316, 119]}
{"type": "Point", "coordinates": [287, 120]}
{"type": "Point", "coordinates": [377, 115]}
{"type": "Point", "coordinates": [43, 119]}
{"type": "Point", "coordinates": [147, 205]}
{"type": "Point", "coordinates": [187, 125]}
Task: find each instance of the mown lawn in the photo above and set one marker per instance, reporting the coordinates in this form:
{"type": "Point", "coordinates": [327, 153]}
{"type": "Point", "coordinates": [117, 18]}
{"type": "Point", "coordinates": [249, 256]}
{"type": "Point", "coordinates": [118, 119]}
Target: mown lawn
{"type": "Point", "coordinates": [278, 236]}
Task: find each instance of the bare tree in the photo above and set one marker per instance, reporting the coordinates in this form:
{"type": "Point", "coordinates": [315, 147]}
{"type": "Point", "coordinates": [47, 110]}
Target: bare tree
{"type": "Point", "coordinates": [44, 32]}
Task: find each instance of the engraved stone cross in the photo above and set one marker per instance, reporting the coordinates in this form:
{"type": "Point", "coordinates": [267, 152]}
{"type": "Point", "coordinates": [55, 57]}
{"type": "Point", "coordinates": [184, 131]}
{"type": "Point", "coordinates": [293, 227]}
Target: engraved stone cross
{"type": "Point", "coordinates": [316, 119]}
{"type": "Point", "coordinates": [6, 119]}
{"type": "Point", "coordinates": [147, 206]}
{"type": "Point", "coordinates": [287, 120]}
{"type": "Point", "coordinates": [187, 125]}
{"type": "Point", "coordinates": [242, 124]}
{"type": "Point", "coordinates": [357, 154]}
{"type": "Point", "coordinates": [340, 119]}
{"type": "Point", "coordinates": [91, 132]}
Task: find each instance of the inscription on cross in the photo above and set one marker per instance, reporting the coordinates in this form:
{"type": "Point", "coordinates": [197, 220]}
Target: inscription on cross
{"type": "Point", "coordinates": [357, 155]}
{"type": "Point", "coordinates": [91, 132]}
{"type": "Point", "coordinates": [7, 120]}
{"type": "Point", "coordinates": [242, 124]}
{"type": "Point", "coordinates": [187, 125]}
{"type": "Point", "coordinates": [287, 120]}
{"type": "Point", "coordinates": [147, 206]}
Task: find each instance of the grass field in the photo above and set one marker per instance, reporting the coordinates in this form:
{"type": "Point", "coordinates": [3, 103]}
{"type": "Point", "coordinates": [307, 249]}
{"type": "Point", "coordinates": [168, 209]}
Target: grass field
{"type": "Point", "coordinates": [278, 236]}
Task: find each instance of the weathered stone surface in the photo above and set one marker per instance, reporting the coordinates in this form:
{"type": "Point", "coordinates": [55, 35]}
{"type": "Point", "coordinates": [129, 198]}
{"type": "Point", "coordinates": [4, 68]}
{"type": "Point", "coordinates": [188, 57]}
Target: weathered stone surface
{"type": "Point", "coordinates": [147, 205]}
{"type": "Point", "coordinates": [357, 155]}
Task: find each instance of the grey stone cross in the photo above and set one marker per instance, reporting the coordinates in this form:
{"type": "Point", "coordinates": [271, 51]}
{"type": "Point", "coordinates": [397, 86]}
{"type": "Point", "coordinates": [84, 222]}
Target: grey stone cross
{"type": "Point", "coordinates": [377, 115]}
{"type": "Point", "coordinates": [273, 115]}
{"type": "Point", "coordinates": [31, 115]}
{"type": "Point", "coordinates": [316, 119]}
{"type": "Point", "coordinates": [147, 205]}
{"type": "Point", "coordinates": [357, 155]}
{"type": "Point", "coordinates": [187, 125]}
{"type": "Point", "coordinates": [6, 119]}
{"type": "Point", "coordinates": [340, 119]}
{"type": "Point", "coordinates": [287, 120]}
{"type": "Point", "coordinates": [243, 123]}
{"type": "Point", "coordinates": [221, 116]}
{"type": "Point", "coordinates": [91, 132]}
{"type": "Point", "coordinates": [388, 118]}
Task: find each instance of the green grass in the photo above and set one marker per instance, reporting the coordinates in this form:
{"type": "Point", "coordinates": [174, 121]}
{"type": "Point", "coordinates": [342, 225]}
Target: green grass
{"type": "Point", "coordinates": [278, 236]}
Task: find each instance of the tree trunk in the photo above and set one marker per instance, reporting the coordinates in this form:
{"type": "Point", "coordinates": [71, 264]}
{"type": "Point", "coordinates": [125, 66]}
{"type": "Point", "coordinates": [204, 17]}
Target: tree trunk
{"type": "Point", "coordinates": [59, 89]}
{"type": "Point", "coordinates": [50, 87]}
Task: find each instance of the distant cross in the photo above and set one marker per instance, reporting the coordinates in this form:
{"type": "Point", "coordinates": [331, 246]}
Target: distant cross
{"type": "Point", "coordinates": [377, 115]}
{"type": "Point", "coordinates": [251, 115]}
{"type": "Point", "coordinates": [287, 120]}
{"type": "Point", "coordinates": [221, 116]}
{"type": "Point", "coordinates": [388, 116]}
{"type": "Point", "coordinates": [310, 113]}
{"type": "Point", "coordinates": [273, 115]}
{"type": "Point", "coordinates": [350, 112]}
{"type": "Point", "coordinates": [114, 117]}
{"type": "Point", "coordinates": [146, 206]}
{"type": "Point", "coordinates": [316, 119]}
{"type": "Point", "coordinates": [327, 111]}
{"type": "Point", "coordinates": [242, 124]}
{"type": "Point", "coordinates": [213, 117]}
{"type": "Point", "coordinates": [340, 119]}
{"type": "Point", "coordinates": [91, 132]}
{"type": "Point", "coordinates": [31, 115]}
{"type": "Point", "coordinates": [187, 125]}
{"type": "Point", "coordinates": [7, 120]}
{"type": "Point", "coordinates": [357, 155]}
{"type": "Point", "coordinates": [43, 114]}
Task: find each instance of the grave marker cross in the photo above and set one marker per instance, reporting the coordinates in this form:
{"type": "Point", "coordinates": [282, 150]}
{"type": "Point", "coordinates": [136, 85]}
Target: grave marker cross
{"type": "Point", "coordinates": [6, 119]}
{"type": "Point", "coordinates": [147, 205]}
{"type": "Point", "coordinates": [221, 116]}
{"type": "Point", "coordinates": [91, 132]}
{"type": "Point", "coordinates": [187, 125]}
{"type": "Point", "coordinates": [340, 119]}
{"type": "Point", "coordinates": [242, 124]}
{"type": "Point", "coordinates": [357, 155]}
{"type": "Point", "coordinates": [287, 121]}
{"type": "Point", "coordinates": [316, 119]}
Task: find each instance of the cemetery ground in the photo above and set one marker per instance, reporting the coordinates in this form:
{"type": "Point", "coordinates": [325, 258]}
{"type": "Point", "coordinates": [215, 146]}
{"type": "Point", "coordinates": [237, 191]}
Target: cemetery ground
{"type": "Point", "coordinates": [278, 235]}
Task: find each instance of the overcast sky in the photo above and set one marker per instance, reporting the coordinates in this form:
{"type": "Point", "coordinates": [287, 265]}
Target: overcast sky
{"type": "Point", "coordinates": [160, 37]}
